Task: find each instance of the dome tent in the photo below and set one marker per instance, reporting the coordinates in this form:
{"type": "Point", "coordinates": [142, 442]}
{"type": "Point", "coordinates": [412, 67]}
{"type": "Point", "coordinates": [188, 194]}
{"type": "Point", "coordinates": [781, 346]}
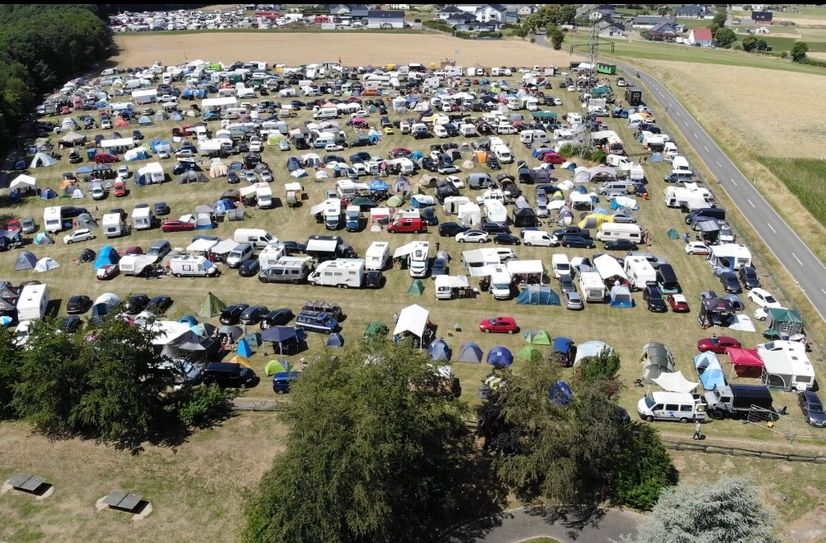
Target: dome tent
{"type": "Point", "coordinates": [500, 357]}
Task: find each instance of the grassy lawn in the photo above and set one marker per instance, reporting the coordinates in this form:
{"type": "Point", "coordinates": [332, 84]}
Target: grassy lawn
{"type": "Point", "coordinates": [786, 44]}
{"type": "Point", "coordinates": [804, 178]}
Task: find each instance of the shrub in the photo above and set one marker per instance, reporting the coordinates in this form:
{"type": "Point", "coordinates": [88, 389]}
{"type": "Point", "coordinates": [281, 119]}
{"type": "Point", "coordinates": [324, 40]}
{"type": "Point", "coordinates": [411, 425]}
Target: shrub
{"type": "Point", "coordinates": [205, 404]}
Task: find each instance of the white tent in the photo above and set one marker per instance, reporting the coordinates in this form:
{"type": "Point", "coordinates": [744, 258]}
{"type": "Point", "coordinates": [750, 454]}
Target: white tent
{"type": "Point", "coordinates": [217, 169]}
{"type": "Point", "coordinates": [108, 298]}
{"type": "Point", "coordinates": [42, 160]}
{"type": "Point", "coordinates": [117, 142]}
{"type": "Point", "coordinates": [412, 319]}
{"type": "Point", "coordinates": [675, 382]}
{"type": "Point", "coordinates": [23, 179]}
{"type": "Point", "coordinates": [201, 246]}
{"type": "Point", "coordinates": [590, 349]}
{"type": "Point", "coordinates": [168, 331]}
{"type": "Point", "coordinates": [45, 264]}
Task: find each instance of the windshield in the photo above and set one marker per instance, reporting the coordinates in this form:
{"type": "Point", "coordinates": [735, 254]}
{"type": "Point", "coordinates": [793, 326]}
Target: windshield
{"type": "Point", "coordinates": [649, 401]}
{"type": "Point", "coordinates": [770, 299]}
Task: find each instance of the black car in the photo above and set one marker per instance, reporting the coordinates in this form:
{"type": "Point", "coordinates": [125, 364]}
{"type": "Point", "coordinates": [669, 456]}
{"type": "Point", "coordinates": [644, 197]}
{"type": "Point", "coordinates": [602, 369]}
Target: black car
{"type": "Point", "coordinates": [730, 282]}
{"type": "Point", "coordinates": [253, 314]}
{"type": "Point", "coordinates": [161, 208]}
{"type": "Point", "coordinates": [78, 304]}
{"type": "Point", "coordinates": [137, 135]}
{"type": "Point", "coordinates": [812, 408]}
{"type": "Point", "coordinates": [232, 177]}
{"type": "Point", "coordinates": [229, 375]}
{"type": "Point", "coordinates": [293, 247]}
{"type": "Point", "coordinates": [493, 163]}
{"type": "Point", "coordinates": [450, 229]}
{"type": "Point", "coordinates": [249, 268]}
{"type": "Point", "coordinates": [503, 238]}
{"type": "Point", "coordinates": [361, 156]}
{"type": "Point", "coordinates": [428, 215]}
{"type": "Point", "coordinates": [75, 158]}
{"type": "Point", "coordinates": [231, 314]}
{"type": "Point", "coordinates": [620, 245]}
{"type": "Point", "coordinates": [654, 299]}
{"type": "Point", "coordinates": [70, 324]}
{"type": "Point", "coordinates": [577, 242]}
{"type": "Point", "coordinates": [136, 303]}
{"type": "Point", "coordinates": [159, 304]}
{"type": "Point", "coordinates": [748, 276]}
{"type": "Point", "coordinates": [277, 317]}
{"type": "Point", "coordinates": [566, 283]}
{"type": "Point", "coordinates": [572, 231]}
{"type": "Point", "coordinates": [494, 228]}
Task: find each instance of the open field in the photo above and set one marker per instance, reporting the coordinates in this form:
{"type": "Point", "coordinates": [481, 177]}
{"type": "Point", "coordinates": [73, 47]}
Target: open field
{"type": "Point", "coordinates": [804, 177]}
{"type": "Point", "coordinates": [306, 47]}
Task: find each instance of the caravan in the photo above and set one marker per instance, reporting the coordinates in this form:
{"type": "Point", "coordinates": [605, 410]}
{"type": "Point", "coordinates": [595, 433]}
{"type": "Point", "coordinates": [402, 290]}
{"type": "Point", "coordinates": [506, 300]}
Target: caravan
{"type": "Point", "coordinates": [136, 264]}
{"type": "Point", "coordinates": [143, 218]}
{"type": "Point", "coordinates": [609, 231]}
{"type": "Point", "coordinates": [341, 273]}
{"type": "Point", "coordinates": [640, 272]}
{"type": "Point", "coordinates": [450, 286]}
{"type": "Point", "coordinates": [592, 287]}
{"type": "Point", "coordinates": [32, 302]}
{"type": "Point", "coordinates": [193, 266]}
{"type": "Point", "coordinates": [377, 256]}
{"type": "Point", "coordinates": [113, 225]}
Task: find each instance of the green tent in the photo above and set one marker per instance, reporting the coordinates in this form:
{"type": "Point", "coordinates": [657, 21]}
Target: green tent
{"type": "Point", "coordinates": [211, 306]}
{"type": "Point", "coordinates": [416, 288]}
{"type": "Point", "coordinates": [544, 115]}
{"type": "Point", "coordinates": [785, 321]}
{"type": "Point", "coordinates": [529, 353]}
{"type": "Point", "coordinates": [277, 366]}
{"type": "Point", "coordinates": [673, 234]}
{"type": "Point", "coordinates": [395, 201]}
{"type": "Point", "coordinates": [537, 337]}
{"type": "Point", "coordinates": [376, 330]}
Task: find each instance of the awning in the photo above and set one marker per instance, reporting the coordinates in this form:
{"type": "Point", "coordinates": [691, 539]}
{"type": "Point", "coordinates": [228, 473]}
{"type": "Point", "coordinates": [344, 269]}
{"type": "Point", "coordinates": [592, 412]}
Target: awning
{"type": "Point", "coordinates": [744, 357]}
{"type": "Point", "coordinates": [412, 319]}
{"type": "Point", "coordinates": [406, 249]}
{"type": "Point", "coordinates": [675, 382]}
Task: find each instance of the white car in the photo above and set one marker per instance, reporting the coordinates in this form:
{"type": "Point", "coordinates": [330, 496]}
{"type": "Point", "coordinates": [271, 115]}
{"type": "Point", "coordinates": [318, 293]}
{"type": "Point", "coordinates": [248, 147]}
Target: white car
{"type": "Point", "coordinates": [83, 234]}
{"type": "Point", "coordinates": [764, 301]}
{"type": "Point", "coordinates": [266, 176]}
{"type": "Point", "coordinates": [697, 248]}
{"type": "Point", "coordinates": [472, 236]}
{"type": "Point", "coordinates": [333, 147]}
{"type": "Point", "coordinates": [455, 181]}
{"type": "Point", "coordinates": [97, 192]}
{"type": "Point", "coordinates": [123, 172]}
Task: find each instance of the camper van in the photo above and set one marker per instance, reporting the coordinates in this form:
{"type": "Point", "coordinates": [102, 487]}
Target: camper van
{"type": "Point", "coordinates": [32, 302]}
{"type": "Point", "coordinates": [419, 259]}
{"type": "Point", "coordinates": [501, 283]}
{"type": "Point", "coordinates": [592, 287]}
{"type": "Point", "coordinates": [673, 406]}
{"type": "Point", "coordinates": [135, 264]}
{"type": "Point", "coordinates": [450, 286]}
{"type": "Point", "coordinates": [263, 195]}
{"type": "Point", "coordinates": [538, 238]}
{"type": "Point", "coordinates": [143, 218]}
{"type": "Point", "coordinates": [112, 225]}
{"type": "Point", "coordinates": [377, 256]}
{"type": "Point", "coordinates": [258, 237]}
{"type": "Point", "coordinates": [193, 266]}
{"type": "Point", "coordinates": [341, 273]}
{"type": "Point", "coordinates": [609, 231]}
{"type": "Point", "coordinates": [640, 272]}
{"type": "Point", "coordinates": [287, 269]}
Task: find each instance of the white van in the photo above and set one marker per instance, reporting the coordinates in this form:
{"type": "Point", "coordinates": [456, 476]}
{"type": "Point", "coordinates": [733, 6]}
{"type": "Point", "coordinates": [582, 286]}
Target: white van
{"type": "Point", "coordinates": [609, 231]}
{"type": "Point", "coordinates": [680, 164]}
{"type": "Point", "coordinates": [537, 238]}
{"type": "Point", "coordinates": [674, 406]}
{"type": "Point", "coordinates": [258, 237]}
{"type": "Point", "coordinates": [325, 113]}
{"type": "Point", "coordinates": [500, 284]}
{"type": "Point", "coordinates": [561, 265]}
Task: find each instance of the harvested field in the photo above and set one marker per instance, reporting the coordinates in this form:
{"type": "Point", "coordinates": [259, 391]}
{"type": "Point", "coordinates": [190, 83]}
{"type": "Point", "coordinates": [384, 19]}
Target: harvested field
{"type": "Point", "coordinates": [306, 47]}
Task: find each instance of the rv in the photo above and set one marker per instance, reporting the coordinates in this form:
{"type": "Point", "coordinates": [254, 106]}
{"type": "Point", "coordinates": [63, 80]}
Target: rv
{"type": "Point", "coordinates": [341, 273]}
{"type": "Point", "coordinates": [689, 197]}
{"type": "Point", "coordinates": [377, 255]}
{"type": "Point", "coordinates": [323, 248]}
{"type": "Point", "coordinates": [258, 237]}
{"type": "Point", "coordinates": [450, 286]}
{"type": "Point", "coordinates": [53, 220]}
{"type": "Point", "coordinates": [287, 269]}
{"type": "Point", "coordinates": [143, 218]}
{"type": "Point", "coordinates": [329, 211]}
{"type": "Point", "coordinates": [263, 195]}
{"type": "Point", "coordinates": [495, 211]}
{"type": "Point", "coordinates": [673, 406]}
{"type": "Point", "coordinates": [592, 287]}
{"type": "Point", "coordinates": [615, 231]}
{"type": "Point", "coordinates": [136, 264]}
{"type": "Point", "coordinates": [500, 283]}
{"type": "Point", "coordinates": [32, 302]}
{"type": "Point", "coordinates": [193, 266]}
{"type": "Point", "coordinates": [418, 260]}
{"type": "Point", "coordinates": [640, 272]}
{"type": "Point", "coordinates": [113, 225]}
{"type": "Point", "coordinates": [295, 193]}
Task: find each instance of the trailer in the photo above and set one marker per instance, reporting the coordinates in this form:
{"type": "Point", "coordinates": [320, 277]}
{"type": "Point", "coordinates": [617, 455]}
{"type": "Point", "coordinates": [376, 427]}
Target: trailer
{"type": "Point", "coordinates": [294, 193]}
{"type": "Point", "coordinates": [640, 272]}
{"type": "Point", "coordinates": [592, 287]}
{"type": "Point", "coordinates": [377, 255]}
{"type": "Point", "coordinates": [136, 264]}
{"type": "Point", "coordinates": [604, 68]}
{"type": "Point", "coordinates": [633, 96]}
{"type": "Point", "coordinates": [341, 273]}
{"type": "Point", "coordinates": [740, 401]}
{"type": "Point", "coordinates": [448, 287]}
{"type": "Point", "coordinates": [113, 225]}
{"type": "Point", "coordinates": [32, 302]}
{"type": "Point", "coordinates": [143, 218]}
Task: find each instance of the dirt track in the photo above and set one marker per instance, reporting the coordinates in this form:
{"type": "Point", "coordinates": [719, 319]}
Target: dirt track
{"type": "Point", "coordinates": [352, 49]}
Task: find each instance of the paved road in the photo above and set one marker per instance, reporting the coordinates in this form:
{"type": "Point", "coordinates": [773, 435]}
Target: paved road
{"type": "Point", "coordinates": [806, 268]}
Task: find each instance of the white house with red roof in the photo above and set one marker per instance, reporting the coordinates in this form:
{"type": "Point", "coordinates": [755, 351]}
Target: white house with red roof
{"type": "Point", "coordinates": [700, 37]}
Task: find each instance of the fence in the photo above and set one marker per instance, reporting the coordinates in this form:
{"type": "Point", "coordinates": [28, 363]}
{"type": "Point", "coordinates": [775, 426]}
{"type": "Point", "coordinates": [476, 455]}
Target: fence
{"type": "Point", "coordinates": [736, 451]}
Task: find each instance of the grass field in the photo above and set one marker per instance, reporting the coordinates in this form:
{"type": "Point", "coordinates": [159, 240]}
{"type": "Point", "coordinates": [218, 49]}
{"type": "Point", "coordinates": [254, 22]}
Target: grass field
{"type": "Point", "coordinates": [804, 177]}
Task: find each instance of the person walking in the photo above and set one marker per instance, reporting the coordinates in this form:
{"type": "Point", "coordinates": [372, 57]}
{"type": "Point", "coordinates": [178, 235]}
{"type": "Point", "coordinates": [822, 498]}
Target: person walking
{"type": "Point", "coordinates": [697, 431]}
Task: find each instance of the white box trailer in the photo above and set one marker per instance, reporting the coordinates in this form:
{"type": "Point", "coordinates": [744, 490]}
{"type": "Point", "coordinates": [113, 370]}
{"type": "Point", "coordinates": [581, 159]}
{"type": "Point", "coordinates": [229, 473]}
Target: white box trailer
{"type": "Point", "coordinates": [143, 218]}
{"type": "Point", "coordinates": [377, 255]}
{"type": "Point", "coordinates": [53, 219]}
{"type": "Point", "coordinates": [786, 365]}
{"type": "Point", "coordinates": [640, 272]}
{"type": "Point", "coordinates": [341, 273]}
{"type": "Point", "coordinates": [449, 286]}
{"type": "Point", "coordinates": [619, 231]}
{"type": "Point", "coordinates": [592, 287]}
{"type": "Point", "coordinates": [32, 302]}
{"type": "Point", "coordinates": [112, 225]}
{"type": "Point", "coordinates": [136, 264]}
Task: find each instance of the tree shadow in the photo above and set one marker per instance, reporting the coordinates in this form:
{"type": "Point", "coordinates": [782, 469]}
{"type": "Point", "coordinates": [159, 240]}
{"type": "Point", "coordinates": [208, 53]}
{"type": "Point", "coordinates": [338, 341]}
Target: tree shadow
{"type": "Point", "coordinates": [574, 518]}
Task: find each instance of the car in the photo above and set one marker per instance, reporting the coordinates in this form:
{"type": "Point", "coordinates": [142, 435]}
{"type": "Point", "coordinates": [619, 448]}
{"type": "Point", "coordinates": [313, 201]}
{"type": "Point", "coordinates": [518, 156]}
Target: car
{"type": "Point", "coordinates": [730, 282]}
{"type": "Point", "coordinates": [451, 229]}
{"type": "Point", "coordinates": [678, 303]}
{"type": "Point", "coordinates": [578, 242]}
{"type": "Point", "coordinates": [119, 189]}
{"type": "Point", "coordinates": [499, 325]}
{"type": "Point", "coordinates": [455, 181]}
{"type": "Point", "coordinates": [70, 324]}
{"type": "Point", "coordinates": [227, 375]}
{"type": "Point", "coordinates": [472, 236]}
{"type": "Point", "coordinates": [84, 234]}
{"type": "Point", "coordinates": [494, 228]}
{"type": "Point", "coordinates": [28, 225]}
{"type": "Point", "coordinates": [123, 172]}
{"type": "Point", "coordinates": [428, 215]}
{"type": "Point", "coordinates": [281, 381]}
{"type": "Point", "coordinates": [284, 145]}
{"type": "Point", "coordinates": [718, 345]}
{"type": "Point", "coordinates": [159, 249]}
{"type": "Point", "coordinates": [266, 176]}
{"type": "Point", "coordinates": [812, 408]}
{"type": "Point", "coordinates": [748, 276]}
{"type": "Point", "coordinates": [697, 248]}
{"type": "Point", "coordinates": [620, 245]}
{"type": "Point", "coordinates": [654, 299]}
{"type": "Point", "coordinates": [763, 298]}
{"type": "Point", "coordinates": [136, 303]}
{"type": "Point", "coordinates": [75, 158]}
{"type": "Point", "coordinates": [232, 313]}
{"type": "Point", "coordinates": [249, 268]}
{"type": "Point", "coordinates": [572, 231]}
{"type": "Point", "coordinates": [177, 226]}
{"type": "Point", "coordinates": [161, 208]}
{"type": "Point", "coordinates": [105, 158]}
{"type": "Point", "coordinates": [253, 314]}
{"type": "Point", "coordinates": [573, 300]}
{"type": "Point", "coordinates": [133, 250]}
{"type": "Point", "coordinates": [232, 177]}
{"type": "Point", "coordinates": [97, 192]}
{"type": "Point", "coordinates": [624, 218]}
{"type": "Point", "coordinates": [566, 284]}
{"type": "Point", "coordinates": [277, 317]}
{"type": "Point", "coordinates": [250, 177]}
{"type": "Point", "coordinates": [506, 239]}
{"type": "Point", "coordinates": [78, 304]}
{"type": "Point", "coordinates": [107, 272]}
{"type": "Point", "coordinates": [159, 304]}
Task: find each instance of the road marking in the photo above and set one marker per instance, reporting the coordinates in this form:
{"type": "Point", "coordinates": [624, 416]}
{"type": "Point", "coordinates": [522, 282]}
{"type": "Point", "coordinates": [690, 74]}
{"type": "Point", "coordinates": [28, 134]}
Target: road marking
{"type": "Point", "coordinates": [707, 151]}
{"type": "Point", "coordinates": [771, 227]}
{"type": "Point", "coordinates": [685, 123]}
{"type": "Point", "coordinates": [823, 291]}
{"type": "Point", "coordinates": [695, 135]}
{"type": "Point", "coordinates": [717, 161]}
{"type": "Point", "coordinates": [750, 203]}
{"type": "Point", "coordinates": [733, 182]}
{"type": "Point", "coordinates": [798, 260]}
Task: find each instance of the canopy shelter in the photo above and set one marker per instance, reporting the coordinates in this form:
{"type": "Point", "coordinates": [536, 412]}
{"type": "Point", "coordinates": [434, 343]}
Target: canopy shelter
{"type": "Point", "coordinates": [413, 321]}
{"type": "Point", "coordinates": [23, 181]}
{"type": "Point", "coordinates": [656, 359]}
{"type": "Point", "coordinates": [591, 349]}
{"type": "Point", "coordinates": [785, 322]}
{"type": "Point", "coordinates": [746, 362]}
{"type": "Point", "coordinates": [709, 370]}
{"type": "Point", "coordinates": [285, 339]}
{"type": "Point", "coordinates": [471, 353]}
{"type": "Point", "coordinates": [675, 382]}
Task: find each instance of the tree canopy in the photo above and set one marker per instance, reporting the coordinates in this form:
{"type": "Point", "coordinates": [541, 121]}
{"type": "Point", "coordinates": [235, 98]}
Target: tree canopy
{"type": "Point", "coordinates": [799, 50]}
{"type": "Point", "coordinates": [549, 14]}
{"type": "Point", "coordinates": [725, 37]}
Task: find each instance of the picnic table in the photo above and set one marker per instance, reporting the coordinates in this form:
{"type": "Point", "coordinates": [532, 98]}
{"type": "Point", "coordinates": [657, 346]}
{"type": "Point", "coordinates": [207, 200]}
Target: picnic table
{"type": "Point", "coordinates": [28, 483]}
{"type": "Point", "coordinates": [124, 501]}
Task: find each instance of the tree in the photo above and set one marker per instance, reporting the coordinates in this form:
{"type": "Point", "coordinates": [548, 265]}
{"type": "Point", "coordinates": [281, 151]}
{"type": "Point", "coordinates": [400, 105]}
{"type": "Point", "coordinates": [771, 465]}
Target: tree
{"type": "Point", "coordinates": [549, 14]}
{"type": "Point", "coordinates": [375, 452]}
{"type": "Point", "coordinates": [9, 372]}
{"type": "Point", "coordinates": [724, 512]}
{"type": "Point", "coordinates": [725, 37]}
{"type": "Point", "coordinates": [799, 50]}
{"type": "Point", "coordinates": [645, 468]}
{"type": "Point", "coordinates": [719, 20]}
{"type": "Point", "coordinates": [603, 367]}
{"type": "Point", "coordinates": [752, 43]}
{"type": "Point", "coordinates": [556, 35]}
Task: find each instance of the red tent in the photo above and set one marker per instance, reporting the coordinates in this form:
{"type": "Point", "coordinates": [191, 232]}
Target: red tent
{"type": "Point", "coordinates": [746, 362]}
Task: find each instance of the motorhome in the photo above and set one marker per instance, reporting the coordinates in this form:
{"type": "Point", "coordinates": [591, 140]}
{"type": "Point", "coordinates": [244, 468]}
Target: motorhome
{"type": "Point", "coordinates": [377, 255]}
{"type": "Point", "coordinates": [592, 287]}
{"type": "Point", "coordinates": [730, 255]}
{"type": "Point", "coordinates": [329, 211]}
{"type": "Point", "coordinates": [143, 218]}
{"type": "Point", "coordinates": [495, 211]}
{"type": "Point", "coordinates": [609, 231]}
{"type": "Point", "coordinates": [287, 269]}
{"type": "Point", "coordinates": [529, 137]}
{"type": "Point", "coordinates": [258, 237]}
{"type": "Point", "coordinates": [341, 273]}
{"type": "Point", "coordinates": [640, 272]}
{"type": "Point", "coordinates": [113, 225]}
{"type": "Point", "coordinates": [263, 195]}
{"type": "Point", "coordinates": [501, 283]}
{"type": "Point", "coordinates": [417, 256]}
{"type": "Point", "coordinates": [192, 266]}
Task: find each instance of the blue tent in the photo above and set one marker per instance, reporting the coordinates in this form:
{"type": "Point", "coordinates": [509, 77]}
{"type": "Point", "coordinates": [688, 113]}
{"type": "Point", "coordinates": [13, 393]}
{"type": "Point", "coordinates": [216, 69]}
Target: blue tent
{"type": "Point", "coordinates": [471, 353]}
{"type": "Point", "coordinates": [48, 194]}
{"type": "Point", "coordinates": [188, 319]}
{"type": "Point", "coordinates": [538, 295]}
{"type": "Point", "coordinates": [293, 164]}
{"type": "Point", "coordinates": [145, 120]}
{"type": "Point", "coordinates": [500, 357]}
{"type": "Point", "coordinates": [415, 155]}
{"type": "Point", "coordinates": [107, 255]}
{"type": "Point", "coordinates": [222, 206]}
{"type": "Point", "coordinates": [439, 350]}
{"type": "Point", "coordinates": [335, 340]}
{"type": "Point", "coordinates": [709, 370]}
{"type": "Point", "coordinates": [244, 349]}
{"type": "Point", "coordinates": [621, 297]}
{"type": "Point", "coordinates": [377, 185]}
{"type": "Point", "coordinates": [561, 394]}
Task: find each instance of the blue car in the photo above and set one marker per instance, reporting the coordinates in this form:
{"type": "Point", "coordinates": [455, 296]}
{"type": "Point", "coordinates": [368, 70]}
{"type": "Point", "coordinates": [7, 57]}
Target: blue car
{"type": "Point", "coordinates": [316, 321]}
{"type": "Point", "coordinates": [281, 381]}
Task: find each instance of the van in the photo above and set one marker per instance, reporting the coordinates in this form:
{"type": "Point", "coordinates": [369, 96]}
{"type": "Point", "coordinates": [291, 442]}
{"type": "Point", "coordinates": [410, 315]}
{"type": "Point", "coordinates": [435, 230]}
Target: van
{"type": "Point", "coordinates": [258, 237]}
{"type": "Point", "coordinates": [561, 265]}
{"type": "Point", "coordinates": [287, 269]}
{"type": "Point", "coordinates": [714, 212]}
{"type": "Point", "coordinates": [227, 375]}
{"type": "Point", "coordinates": [242, 252]}
{"type": "Point", "coordinates": [316, 321]}
{"type": "Point", "coordinates": [479, 181]}
{"type": "Point", "coordinates": [615, 187]}
{"type": "Point", "coordinates": [537, 238]}
{"type": "Point", "coordinates": [619, 231]}
{"type": "Point", "coordinates": [673, 406]}
{"type": "Point", "coordinates": [667, 280]}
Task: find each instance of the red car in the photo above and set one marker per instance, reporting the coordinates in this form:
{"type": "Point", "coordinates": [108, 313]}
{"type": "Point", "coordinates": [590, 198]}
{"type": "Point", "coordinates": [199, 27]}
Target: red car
{"type": "Point", "coordinates": [499, 325]}
{"type": "Point", "coordinates": [119, 189]}
{"type": "Point", "coordinates": [717, 345]}
{"type": "Point", "coordinates": [678, 303]}
{"type": "Point", "coordinates": [177, 226]}
{"type": "Point", "coordinates": [405, 225]}
{"type": "Point", "coordinates": [105, 158]}
{"type": "Point", "coordinates": [553, 158]}
{"type": "Point", "coordinates": [399, 152]}
{"type": "Point", "coordinates": [133, 250]}
{"type": "Point", "coordinates": [108, 271]}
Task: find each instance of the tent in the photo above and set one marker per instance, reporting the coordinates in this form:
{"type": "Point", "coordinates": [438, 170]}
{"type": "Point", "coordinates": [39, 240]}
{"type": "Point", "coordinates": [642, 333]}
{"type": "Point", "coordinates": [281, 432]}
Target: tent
{"type": "Point", "coordinates": [46, 264]}
{"type": "Point", "coordinates": [621, 297]}
{"type": "Point", "coordinates": [783, 323]}
{"type": "Point", "coordinates": [416, 288]}
{"type": "Point", "coordinates": [561, 394]}
{"type": "Point", "coordinates": [86, 256]}
{"type": "Point", "coordinates": [709, 370]}
{"type": "Point", "coordinates": [42, 160]}
{"type": "Point", "coordinates": [537, 337]}
{"type": "Point", "coordinates": [211, 306]}
{"type": "Point", "coordinates": [244, 349]}
{"type": "Point", "coordinates": [107, 255]}
{"type": "Point", "coordinates": [43, 239]}
{"type": "Point", "coordinates": [253, 339]}
{"type": "Point", "coordinates": [529, 353]}
{"type": "Point", "coordinates": [238, 359]}
{"type": "Point", "coordinates": [471, 353]}
{"type": "Point", "coordinates": [188, 320]}
{"type": "Point", "coordinates": [656, 359]}
{"type": "Point", "coordinates": [673, 234]}
{"type": "Point", "coordinates": [375, 330]}
{"type": "Point", "coordinates": [191, 176]}
{"type": "Point", "coordinates": [525, 217]}
{"type": "Point", "coordinates": [217, 169]}
{"type": "Point", "coordinates": [277, 366]}
{"type": "Point", "coordinates": [500, 357]}
{"type": "Point", "coordinates": [395, 201]}
{"type": "Point", "coordinates": [538, 295]}
{"type": "Point", "coordinates": [746, 362]}
{"type": "Point", "coordinates": [439, 350]}
{"type": "Point", "coordinates": [25, 261]}
{"type": "Point", "coordinates": [590, 349]}
{"type": "Point", "coordinates": [26, 181]}
{"type": "Point", "coordinates": [48, 194]}
{"type": "Point", "coordinates": [675, 382]}
{"type": "Point", "coordinates": [284, 339]}
{"type": "Point", "coordinates": [233, 332]}
{"type": "Point", "coordinates": [412, 320]}
{"type": "Point", "coordinates": [335, 340]}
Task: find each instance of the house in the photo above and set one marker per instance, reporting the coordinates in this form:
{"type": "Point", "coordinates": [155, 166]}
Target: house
{"type": "Point", "coordinates": [523, 10]}
{"type": "Point", "coordinates": [490, 13]}
{"type": "Point", "coordinates": [459, 20]}
{"type": "Point", "coordinates": [402, 7]}
{"type": "Point", "coordinates": [652, 21]}
{"type": "Point", "coordinates": [664, 31]}
{"type": "Point", "coordinates": [695, 11]}
{"type": "Point", "coordinates": [346, 9]}
{"type": "Point", "coordinates": [378, 18]}
{"type": "Point", "coordinates": [448, 11]}
{"type": "Point", "coordinates": [762, 16]}
{"type": "Point", "coordinates": [700, 37]}
{"type": "Point", "coordinates": [609, 28]}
